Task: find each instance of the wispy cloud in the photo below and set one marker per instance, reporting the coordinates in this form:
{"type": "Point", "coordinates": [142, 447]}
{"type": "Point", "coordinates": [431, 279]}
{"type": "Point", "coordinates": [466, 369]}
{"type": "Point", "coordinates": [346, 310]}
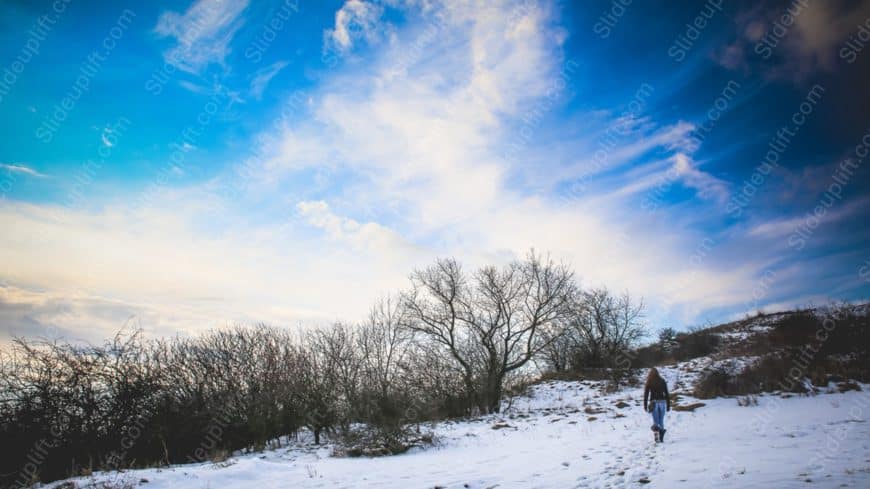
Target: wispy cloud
{"type": "Point", "coordinates": [781, 227]}
{"type": "Point", "coordinates": [707, 185]}
{"type": "Point", "coordinates": [384, 164]}
{"type": "Point", "coordinates": [202, 34]}
{"type": "Point", "coordinates": [425, 152]}
{"type": "Point", "coordinates": [263, 76]}
{"type": "Point", "coordinates": [22, 169]}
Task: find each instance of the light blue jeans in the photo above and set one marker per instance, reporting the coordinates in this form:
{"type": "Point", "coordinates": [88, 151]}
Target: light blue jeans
{"type": "Point", "coordinates": [658, 413]}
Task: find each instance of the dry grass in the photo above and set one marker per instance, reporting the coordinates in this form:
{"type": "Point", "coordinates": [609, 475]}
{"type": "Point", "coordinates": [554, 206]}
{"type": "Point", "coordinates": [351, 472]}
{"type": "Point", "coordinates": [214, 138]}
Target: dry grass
{"type": "Point", "coordinates": [848, 386]}
{"type": "Point", "coordinates": [689, 407]}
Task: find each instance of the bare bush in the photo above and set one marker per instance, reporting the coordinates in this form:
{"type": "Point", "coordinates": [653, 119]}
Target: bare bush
{"type": "Point", "coordinates": [747, 401]}
{"type": "Point", "coordinates": [597, 336]}
{"type": "Point", "coordinates": [131, 402]}
{"type": "Point", "coordinates": [697, 342]}
{"type": "Point", "coordinates": [387, 402]}
{"type": "Point", "coordinates": [667, 339]}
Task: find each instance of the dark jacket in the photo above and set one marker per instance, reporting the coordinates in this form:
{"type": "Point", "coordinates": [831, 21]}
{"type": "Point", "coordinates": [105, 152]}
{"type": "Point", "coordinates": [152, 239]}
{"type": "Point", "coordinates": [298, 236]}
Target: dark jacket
{"type": "Point", "coordinates": [656, 390]}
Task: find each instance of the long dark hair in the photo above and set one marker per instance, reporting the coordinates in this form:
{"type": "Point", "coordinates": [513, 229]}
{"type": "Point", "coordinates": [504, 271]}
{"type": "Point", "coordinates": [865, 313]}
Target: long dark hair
{"type": "Point", "coordinates": [653, 377]}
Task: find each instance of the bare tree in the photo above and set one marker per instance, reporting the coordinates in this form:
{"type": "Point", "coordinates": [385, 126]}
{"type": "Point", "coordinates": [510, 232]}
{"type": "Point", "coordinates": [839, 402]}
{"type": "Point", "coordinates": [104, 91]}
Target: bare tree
{"type": "Point", "coordinates": [601, 327]}
{"type": "Point", "coordinates": [383, 344]}
{"type": "Point", "coordinates": [558, 346]}
{"type": "Point", "coordinates": [627, 326]}
{"type": "Point", "coordinates": [331, 371]}
{"type": "Point", "coordinates": [488, 323]}
{"type": "Point", "coordinates": [386, 403]}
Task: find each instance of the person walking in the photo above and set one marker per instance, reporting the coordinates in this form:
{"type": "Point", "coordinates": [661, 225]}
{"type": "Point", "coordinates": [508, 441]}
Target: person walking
{"type": "Point", "coordinates": [656, 392]}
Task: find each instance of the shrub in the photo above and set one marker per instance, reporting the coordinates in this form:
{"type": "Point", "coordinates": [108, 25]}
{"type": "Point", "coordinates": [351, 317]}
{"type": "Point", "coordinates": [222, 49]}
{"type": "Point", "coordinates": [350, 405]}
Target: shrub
{"type": "Point", "coordinates": [696, 343]}
{"type": "Point", "coordinates": [652, 356]}
{"type": "Point", "coordinates": [369, 441]}
{"type": "Point", "coordinates": [715, 383]}
{"type": "Point", "coordinates": [746, 401]}
{"type": "Point", "coordinates": [774, 372]}
{"type": "Point", "coordinates": [769, 374]}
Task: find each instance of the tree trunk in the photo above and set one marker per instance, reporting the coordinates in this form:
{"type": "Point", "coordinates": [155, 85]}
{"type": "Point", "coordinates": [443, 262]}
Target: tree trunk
{"type": "Point", "coordinates": [472, 394]}
{"type": "Point", "coordinates": [495, 403]}
{"type": "Point", "coordinates": [491, 398]}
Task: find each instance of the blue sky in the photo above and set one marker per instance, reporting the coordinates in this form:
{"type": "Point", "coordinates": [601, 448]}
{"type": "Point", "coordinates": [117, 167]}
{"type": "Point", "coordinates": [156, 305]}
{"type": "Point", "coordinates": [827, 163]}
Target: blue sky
{"type": "Point", "coordinates": [190, 165]}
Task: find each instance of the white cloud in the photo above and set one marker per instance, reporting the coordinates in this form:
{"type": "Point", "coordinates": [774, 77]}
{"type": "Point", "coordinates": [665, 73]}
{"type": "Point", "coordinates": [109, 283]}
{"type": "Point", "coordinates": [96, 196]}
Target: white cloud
{"type": "Point", "coordinates": [412, 169]}
{"type": "Point", "coordinates": [707, 185]}
{"type": "Point", "coordinates": [202, 34]}
{"type": "Point", "coordinates": [620, 150]}
{"type": "Point", "coordinates": [356, 19]}
{"type": "Point", "coordinates": [428, 146]}
{"type": "Point", "coordinates": [86, 272]}
{"type": "Point", "coordinates": [360, 236]}
{"type": "Point", "coordinates": [263, 76]}
{"type": "Point", "coordinates": [779, 228]}
{"type": "Point", "coordinates": [195, 87]}
{"type": "Point", "coordinates": [22, 169]}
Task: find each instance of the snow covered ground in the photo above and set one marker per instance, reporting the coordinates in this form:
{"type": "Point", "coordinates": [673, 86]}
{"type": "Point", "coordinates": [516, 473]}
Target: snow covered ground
{"type": "Point", "coordinates": [567, 434]}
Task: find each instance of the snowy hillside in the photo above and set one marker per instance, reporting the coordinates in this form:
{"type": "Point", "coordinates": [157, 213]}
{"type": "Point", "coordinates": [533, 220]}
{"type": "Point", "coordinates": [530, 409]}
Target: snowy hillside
{"type": "Point", "coordinates": [569, 434]}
